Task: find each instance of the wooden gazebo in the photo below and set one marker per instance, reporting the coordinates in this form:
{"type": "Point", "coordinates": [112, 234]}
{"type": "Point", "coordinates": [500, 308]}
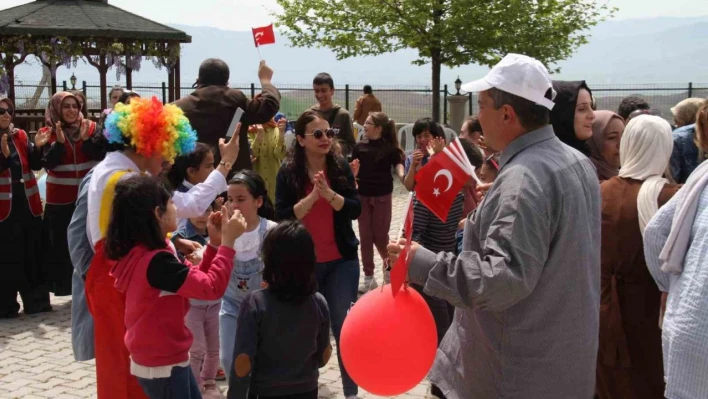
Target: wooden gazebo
{"type": "Point", "coordinates": [59, 32]}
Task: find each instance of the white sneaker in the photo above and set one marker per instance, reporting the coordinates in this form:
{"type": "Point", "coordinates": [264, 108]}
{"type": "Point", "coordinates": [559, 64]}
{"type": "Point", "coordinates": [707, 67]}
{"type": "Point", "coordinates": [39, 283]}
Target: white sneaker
{"type": "Point", "coordinates": [387, 277]}
{"type": "Point", "coordinates": [373, 284]}
{"type": "Point", "coordinates": [368, 284]}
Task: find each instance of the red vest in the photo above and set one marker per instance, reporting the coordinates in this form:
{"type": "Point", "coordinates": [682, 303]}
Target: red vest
{"type": "Point", "coordinates": [63, 180]}
{"type": "Point", "coordinates": [21, 142]}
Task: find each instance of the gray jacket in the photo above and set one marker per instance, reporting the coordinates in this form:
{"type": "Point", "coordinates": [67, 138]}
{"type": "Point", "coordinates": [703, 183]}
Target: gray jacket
{"type": "Point", "coordinates": [81, 253]}
{"type": "Point", "coordinates": [526, 285]}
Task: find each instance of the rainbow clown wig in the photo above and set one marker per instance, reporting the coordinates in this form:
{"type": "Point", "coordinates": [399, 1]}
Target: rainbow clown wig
{"type": "Point", "coordinates": [151, 129]}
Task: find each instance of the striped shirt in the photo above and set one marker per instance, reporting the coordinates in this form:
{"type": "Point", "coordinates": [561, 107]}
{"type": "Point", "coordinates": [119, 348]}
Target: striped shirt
{"type": "Point", "coordinates": [685, 326]}
{"type": "Point", "coordinates": [432, 233]}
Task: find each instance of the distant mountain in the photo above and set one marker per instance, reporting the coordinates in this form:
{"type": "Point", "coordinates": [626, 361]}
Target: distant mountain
{"type": "Point", "coordinates": [655, 50]}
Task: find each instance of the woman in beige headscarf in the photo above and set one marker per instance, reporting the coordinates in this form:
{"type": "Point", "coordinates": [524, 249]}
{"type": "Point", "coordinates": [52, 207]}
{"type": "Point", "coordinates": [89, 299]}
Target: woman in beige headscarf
{"type": "Point", "coordinates": [70, 147]}
{"type": "Point", "coordinates": [629, 363]}
{"type": "Point", "coordinates": [604, 145]}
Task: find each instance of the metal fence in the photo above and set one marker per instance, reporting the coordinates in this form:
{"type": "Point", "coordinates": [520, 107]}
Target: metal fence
{"type": "Point", "coordinates": [401, 103]}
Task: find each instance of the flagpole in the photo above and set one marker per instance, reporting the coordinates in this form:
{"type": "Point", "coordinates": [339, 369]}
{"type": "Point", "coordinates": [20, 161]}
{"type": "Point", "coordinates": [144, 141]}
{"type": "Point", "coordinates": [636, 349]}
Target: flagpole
{"type": "Point", "coordinates": [259, 52]}
{"type": "Point", "coordinates": [400, 230]}
{"type": "Point", "coordinates": [405, 213]}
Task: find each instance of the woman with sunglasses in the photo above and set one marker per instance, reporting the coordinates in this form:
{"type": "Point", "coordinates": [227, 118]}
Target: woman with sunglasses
{"type": "Point", "coordinates": [69, 150]}
{"type": "Point", "coordinates": [20, 221]}
{"type": "Point", "coordinates": [317, 187]}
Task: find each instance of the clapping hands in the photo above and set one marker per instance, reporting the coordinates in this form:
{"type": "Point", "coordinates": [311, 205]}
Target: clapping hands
{"type": "Point", "coordinates": [4, 146]}
{"type": "Point", "coordinates": [224, 230]}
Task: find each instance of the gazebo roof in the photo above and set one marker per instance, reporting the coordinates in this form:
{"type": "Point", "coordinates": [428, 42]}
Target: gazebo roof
{"type": "Point", "coordinates": [83, 18]}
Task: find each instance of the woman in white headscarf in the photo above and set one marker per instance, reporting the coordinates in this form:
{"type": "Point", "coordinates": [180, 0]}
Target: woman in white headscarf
{"type": "Point", "coordinates": [629, 363]}
{"type": "Point", "coordinates": [676, 248]}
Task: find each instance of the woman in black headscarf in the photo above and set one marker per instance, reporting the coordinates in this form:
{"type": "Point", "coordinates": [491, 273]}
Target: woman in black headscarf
{"type": "Point", "coordinates": [573, 114]}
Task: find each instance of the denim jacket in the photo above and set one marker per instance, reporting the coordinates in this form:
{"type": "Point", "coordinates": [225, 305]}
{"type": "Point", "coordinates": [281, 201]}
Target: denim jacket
{"type": "Point", "coordinates": [685, 156]}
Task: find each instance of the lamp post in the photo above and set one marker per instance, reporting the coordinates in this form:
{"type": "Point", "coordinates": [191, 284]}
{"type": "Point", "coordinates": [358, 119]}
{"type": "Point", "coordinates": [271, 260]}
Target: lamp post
{"type": "Point", "coordinates": [72, 79]}
{"type": "Point", "coordinates": [456, 104]}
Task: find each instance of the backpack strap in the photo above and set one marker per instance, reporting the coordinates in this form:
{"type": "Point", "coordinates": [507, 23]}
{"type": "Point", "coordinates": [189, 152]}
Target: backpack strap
{"type": "Point", "coordinates": [333, 116]}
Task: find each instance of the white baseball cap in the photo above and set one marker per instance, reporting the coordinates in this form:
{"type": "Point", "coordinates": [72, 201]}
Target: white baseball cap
{"type": "Point", "coordinates": [520, 75]}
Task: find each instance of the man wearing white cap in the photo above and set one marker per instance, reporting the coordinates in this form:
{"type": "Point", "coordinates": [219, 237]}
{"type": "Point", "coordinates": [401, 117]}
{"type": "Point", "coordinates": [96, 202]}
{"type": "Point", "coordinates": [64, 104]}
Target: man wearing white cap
{"type": "Point", "coordinates": [526, 286]}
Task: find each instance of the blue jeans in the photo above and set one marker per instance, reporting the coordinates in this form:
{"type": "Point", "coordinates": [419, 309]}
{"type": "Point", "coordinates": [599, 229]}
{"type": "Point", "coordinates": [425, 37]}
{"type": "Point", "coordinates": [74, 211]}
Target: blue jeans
{"type": "Point", "coordinates": [181, 384]}
{"type": "Point", "coordinates": [338, 282]}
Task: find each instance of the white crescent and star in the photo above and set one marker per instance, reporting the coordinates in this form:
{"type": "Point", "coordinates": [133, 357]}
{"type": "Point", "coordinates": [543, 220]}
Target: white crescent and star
{"type": "Point", "coordinates": [448, 175]}
{"type": "Point", "coordinates": [259, 34]}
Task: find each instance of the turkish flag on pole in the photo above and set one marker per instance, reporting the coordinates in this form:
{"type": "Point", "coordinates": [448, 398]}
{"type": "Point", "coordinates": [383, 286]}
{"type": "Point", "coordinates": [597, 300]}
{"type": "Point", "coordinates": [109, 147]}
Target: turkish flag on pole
{"type": "Point", "coordinates": [399, 270]}
{"type": "Point", "coordinates": [439, 182]}
{"type": "Point", "coordinates": [263, 35]}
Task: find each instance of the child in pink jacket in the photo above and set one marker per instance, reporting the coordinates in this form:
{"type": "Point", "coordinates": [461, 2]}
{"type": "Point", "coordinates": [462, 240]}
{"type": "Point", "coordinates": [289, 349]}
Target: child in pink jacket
{"type": "Point", "coordinates": [158, 286]}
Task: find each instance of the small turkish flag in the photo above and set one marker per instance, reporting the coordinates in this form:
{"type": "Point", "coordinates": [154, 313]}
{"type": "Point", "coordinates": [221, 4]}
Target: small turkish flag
{"type": "Point", "coordinates": [399, 270]}
{"type": "Point", "coordinates": [263, 35]}
{"type": "Point", "coordinates": [439, 182]}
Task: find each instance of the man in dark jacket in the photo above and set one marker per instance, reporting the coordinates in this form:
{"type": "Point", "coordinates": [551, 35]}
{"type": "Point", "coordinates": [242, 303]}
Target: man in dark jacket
{"type": "Point", "coordinates": [212, 105]}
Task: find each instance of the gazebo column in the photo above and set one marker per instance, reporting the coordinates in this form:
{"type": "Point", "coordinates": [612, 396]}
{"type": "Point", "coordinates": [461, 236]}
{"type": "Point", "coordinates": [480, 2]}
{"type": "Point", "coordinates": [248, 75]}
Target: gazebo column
{"type": "Point", "coordinates": [128, 77]}
{"type": "Point", "coordinates": [102, 71]}
{"type": "Point", "coordinates": [171, 84]}
{"type": "Point", "coordinates": [10, 70]}
{"type": "Point", "coordinates": [178, 83]}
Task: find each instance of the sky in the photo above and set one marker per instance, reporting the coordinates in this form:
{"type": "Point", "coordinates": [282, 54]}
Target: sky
{"type": "Point", "coordinates": [243, 14]}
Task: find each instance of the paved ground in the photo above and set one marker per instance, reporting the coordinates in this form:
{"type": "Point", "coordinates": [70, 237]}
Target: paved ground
{"type": "Point", "coordinates": [36, 359]}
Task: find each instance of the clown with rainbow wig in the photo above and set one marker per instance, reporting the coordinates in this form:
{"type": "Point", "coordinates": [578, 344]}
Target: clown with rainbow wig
{"type": "Point", "coordinates": [144, 135]}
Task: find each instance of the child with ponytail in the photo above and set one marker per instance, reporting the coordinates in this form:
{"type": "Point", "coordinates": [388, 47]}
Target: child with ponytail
{"type": "Point", "coordinates": [377, 153]}
{"type": "Point", "coordinates": [157, 286]}
{"type": "Point", "coordinates": [248, 194]}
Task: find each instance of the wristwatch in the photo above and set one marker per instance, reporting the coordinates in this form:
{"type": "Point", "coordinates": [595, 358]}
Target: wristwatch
{"type": "Point", "coordinates": [227, 165]}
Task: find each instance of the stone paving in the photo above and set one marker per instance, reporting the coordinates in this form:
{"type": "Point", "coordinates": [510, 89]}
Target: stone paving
{"type": "Point", "coordinates": [36, 359]}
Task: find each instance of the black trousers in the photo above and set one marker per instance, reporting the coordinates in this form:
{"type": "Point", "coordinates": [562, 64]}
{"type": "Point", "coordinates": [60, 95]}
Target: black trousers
{"type": "Point", "coordinates": [57, 261]}
{"type": "Point", "coordinates": [20, 259]}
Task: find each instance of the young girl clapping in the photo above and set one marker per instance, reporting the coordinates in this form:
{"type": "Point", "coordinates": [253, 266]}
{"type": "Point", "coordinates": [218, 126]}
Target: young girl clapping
{"type": "Point", "coordinates": [247, 193]}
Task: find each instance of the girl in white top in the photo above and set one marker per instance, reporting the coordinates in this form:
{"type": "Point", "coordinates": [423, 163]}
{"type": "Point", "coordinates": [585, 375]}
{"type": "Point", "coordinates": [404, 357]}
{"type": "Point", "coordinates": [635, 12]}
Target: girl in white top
{"type": "Point", "coordinates": [247, 193]}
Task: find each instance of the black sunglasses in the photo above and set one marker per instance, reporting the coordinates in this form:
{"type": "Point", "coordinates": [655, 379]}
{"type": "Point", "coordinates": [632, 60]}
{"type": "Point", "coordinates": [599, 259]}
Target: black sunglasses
{"type": "Point", "coordinates": [3, 110]}
{"type": "Point", "coordinates": [317, 133]}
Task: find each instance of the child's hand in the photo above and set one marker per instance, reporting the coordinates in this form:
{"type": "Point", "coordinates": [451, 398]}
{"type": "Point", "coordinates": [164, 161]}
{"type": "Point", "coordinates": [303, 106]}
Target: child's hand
{"type": "Point", "coordinates": [214, 226]}
{"type": "Point", "coordinates": [355, 167]}
{"type": "Point", "coordinates": [232, 228]}
{"type": "Point", "coordinates": [438, 145]}
{"type": "Point", "coordinates": [417, 158]}
{"type": "Point", "coordinates": [194, 258]}
{"type": "Point", "coordinates": [187, 247]}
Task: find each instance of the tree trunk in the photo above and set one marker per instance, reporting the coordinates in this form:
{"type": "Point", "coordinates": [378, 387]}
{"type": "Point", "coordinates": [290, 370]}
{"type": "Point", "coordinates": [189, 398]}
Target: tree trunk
{"type": "Point", "coordinates": [435, 62]}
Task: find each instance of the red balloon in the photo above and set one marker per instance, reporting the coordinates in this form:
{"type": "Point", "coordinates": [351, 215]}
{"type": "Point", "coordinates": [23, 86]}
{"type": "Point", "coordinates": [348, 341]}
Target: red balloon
{"type": "Point", "coordinates": [388, 344]}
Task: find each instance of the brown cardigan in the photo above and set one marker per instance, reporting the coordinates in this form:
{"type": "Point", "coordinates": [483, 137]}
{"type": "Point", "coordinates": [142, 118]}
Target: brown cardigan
{"type": "Point", "coordinates": [364, 105]}
{"type": "Point", "coordinates": [629, 363]}
{"type": "Point", "coordinates": [211, 108]}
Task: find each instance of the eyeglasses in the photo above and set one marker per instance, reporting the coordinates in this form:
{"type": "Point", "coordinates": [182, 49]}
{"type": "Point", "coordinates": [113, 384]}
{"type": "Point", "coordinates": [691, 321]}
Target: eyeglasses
{"type": "Point", "coordinates": [491, 160]}
{"type": "Point", "coordinates": [317, 133]}
{"type": "Point", "coordinates": [3, 110]}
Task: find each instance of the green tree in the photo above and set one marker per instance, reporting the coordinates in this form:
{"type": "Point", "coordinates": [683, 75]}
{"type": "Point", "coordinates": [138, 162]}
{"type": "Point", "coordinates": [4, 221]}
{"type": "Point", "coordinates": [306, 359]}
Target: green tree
{"type": "Point", "coordinates": [445, 32]}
